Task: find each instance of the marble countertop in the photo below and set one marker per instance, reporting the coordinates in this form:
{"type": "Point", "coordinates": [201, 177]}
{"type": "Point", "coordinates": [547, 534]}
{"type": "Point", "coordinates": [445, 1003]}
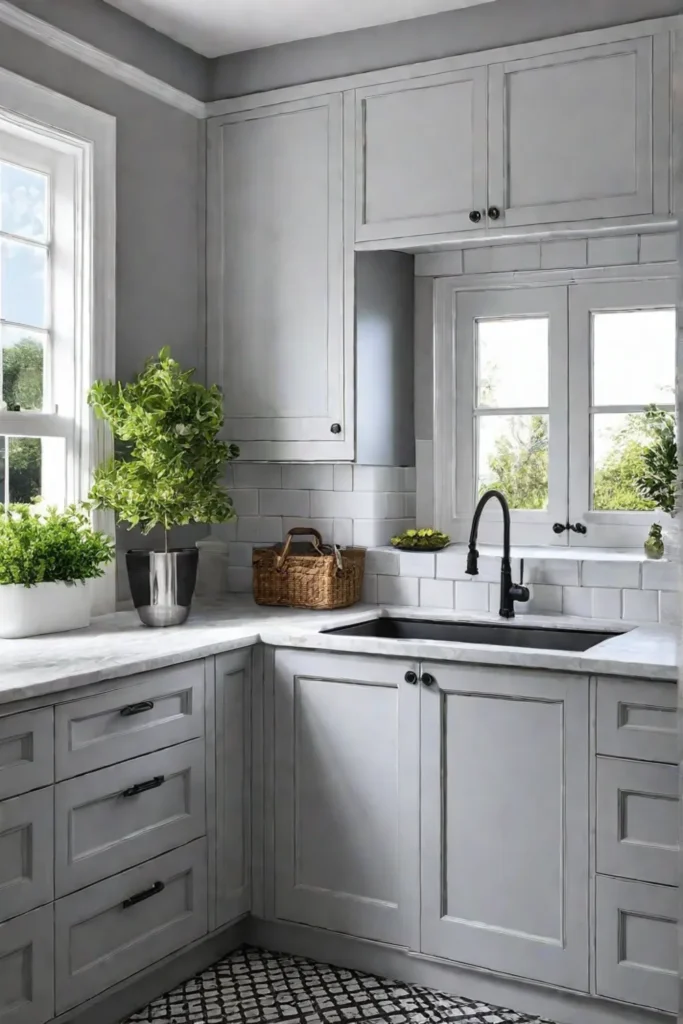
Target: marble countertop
{"type": "Point", "coordinates": [117, 645]}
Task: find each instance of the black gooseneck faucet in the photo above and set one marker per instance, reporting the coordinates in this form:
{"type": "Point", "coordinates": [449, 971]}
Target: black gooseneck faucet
{"type": "Point", "coordinates": [509, 591]}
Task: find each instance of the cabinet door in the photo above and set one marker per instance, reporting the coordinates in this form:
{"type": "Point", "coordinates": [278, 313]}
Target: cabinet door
{"type": "Point", "coordinates": [571, 135]}
{"type": "Point", "coordinates": [421, 152]}
{"type": "Point", "coordinates": [233, 780]}
{"type": "Point", "coordinates": [637, 719]}
{"type": "Point", "coordinates": [26, 853]}
{"type": "Point", "coordinates": [26, 968]}
{"type": "Point", "coordinates": [505, 821]}
{"type": "Point", "coordinates": [346, 794]}
{"type": "Point", "coordinates": [26, 751]}
{"type": "Point", "coordinates": [276, 280]}
{"type": "Point", "coordinates": [636, 948]}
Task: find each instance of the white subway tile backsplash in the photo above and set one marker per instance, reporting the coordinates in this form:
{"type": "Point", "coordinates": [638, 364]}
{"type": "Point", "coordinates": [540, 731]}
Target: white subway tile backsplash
{"type": "Point", "coordinates": [382, 562]}
{"type": "Point", "coordinates": [543, 599]}
{"type": "Point", "coordinates": [325, 527]}
{"type": "Point", "coordinates": [607, 252]}
{"type": "Point", "coordinates": [659, 248]}
{"type": "Point", "coordinates": [410, 505]}
{"type": "Point", "coordinates": [436, 593]}
{"type": "Point", "coordinates": [424, 486]}
{"type": "Point", "coordinates": [285, 503]}
{"type": "Point", "coordinates": [259, 529]}
{"type": "Point", "coordinates": [670, 608]}
{"type": "Point", "coordinates": [225, 531]}
{"type": "Point", "coordinates": [471, 597]}
{"type": "Point", "coordinates": [660, 575]}
{"type": "Point", "coordinates": [369, 589]}
{"type": "Point", "coordinates": [417, 563]}
{"type": "Point", "coordinates": [561, 572]}
{"type": "Point", "coordinates": [577, 601]}
{"type": "Point", "coordinates": [610, 574]}
{"type": "Point", "coordinates": [308, 478]}
{"type": "Point", "coordinates": [409, 478]}
{"type": "Point", "coordinates": [558, 255]}
{"type": "Point", "coordinates": [357, 504]}
{"type": "Point", "coordinates": [640, 605]}
{"type": "Point", "coordinates": [343, 478]}
{"type": "Point", "coordinates": [497, 258]}
{"type": "Point", "coordinates": [343, 532]}
{"type": "Point", "coordinates": [606, 603]}
{"type": "Point", "coordinates": [239, 555]}
{"type": "Point", "coordinates": [246, 502]}
{"type": "Point", "coordinates": [257, 474]}
{"type": "Point", "coordinates": [451, 565]}
{"type": "Point", "coordinates": [398, 590]}
{"type": "Point", "coordinates": [377, 478]}
{"type": "Point", "coordinates": [370, 533]}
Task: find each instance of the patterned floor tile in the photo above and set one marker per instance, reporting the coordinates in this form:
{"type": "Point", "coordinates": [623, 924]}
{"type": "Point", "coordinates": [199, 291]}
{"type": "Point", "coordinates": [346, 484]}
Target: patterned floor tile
{"type": "Point", "coordinates": [252, 986]}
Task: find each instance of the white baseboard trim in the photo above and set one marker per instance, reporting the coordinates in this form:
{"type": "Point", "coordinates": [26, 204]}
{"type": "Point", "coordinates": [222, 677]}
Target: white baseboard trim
{"type": "Point", "coordinates": [414, 968]}
{"type": "Point", "coordinates": [99, 60]}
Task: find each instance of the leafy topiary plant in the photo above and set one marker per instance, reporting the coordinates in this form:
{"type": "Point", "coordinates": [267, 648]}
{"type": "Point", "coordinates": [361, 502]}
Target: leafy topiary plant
{"type": "Point", "coordinates": [659, 478]}
{"type": "Point", "coordinates": [425, 539]}
{"type": "Point", "coordinates": [172, 460]}
{"type": "Point", "coordinates": [44, 545]}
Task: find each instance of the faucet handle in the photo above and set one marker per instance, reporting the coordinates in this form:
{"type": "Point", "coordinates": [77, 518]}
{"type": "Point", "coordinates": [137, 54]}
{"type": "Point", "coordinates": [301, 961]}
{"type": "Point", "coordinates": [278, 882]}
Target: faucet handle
{"type": "Point", "coordinates": [521, 571]}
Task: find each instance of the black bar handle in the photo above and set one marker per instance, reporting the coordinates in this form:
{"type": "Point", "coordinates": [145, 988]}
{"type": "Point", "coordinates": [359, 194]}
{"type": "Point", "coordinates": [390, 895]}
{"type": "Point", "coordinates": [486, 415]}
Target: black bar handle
{"type": "Point", "coordinates": [137, 709]}
{"type": "Point", "coordinates": [142, 787]}
{"type": "Point", "coordinates": [140, 896]}
{"type": "Point", "coordinates": [574, 527]}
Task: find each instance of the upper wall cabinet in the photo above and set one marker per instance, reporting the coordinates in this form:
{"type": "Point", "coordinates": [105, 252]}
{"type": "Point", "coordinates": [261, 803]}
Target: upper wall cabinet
{"type": "Point", "coordinates": [280, 343]}
{"type": "Point", "coordinates": [571, 136]}
{"type": "Point", "coordinates": [422, 147]}
{"type": "Point", "coordinates": [546, 141]}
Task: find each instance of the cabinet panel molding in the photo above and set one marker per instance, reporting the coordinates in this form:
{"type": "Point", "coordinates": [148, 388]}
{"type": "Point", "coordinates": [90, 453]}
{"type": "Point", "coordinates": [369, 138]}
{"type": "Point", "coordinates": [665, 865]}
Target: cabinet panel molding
{"type": "Point", "coordinates": [26, 751]}
{"type": "Point", "coordinates": [26, 968]}
{"type": "Point", "coordinates": [26, 852]}
{"type": "Point", "coordinates": [637, 719]}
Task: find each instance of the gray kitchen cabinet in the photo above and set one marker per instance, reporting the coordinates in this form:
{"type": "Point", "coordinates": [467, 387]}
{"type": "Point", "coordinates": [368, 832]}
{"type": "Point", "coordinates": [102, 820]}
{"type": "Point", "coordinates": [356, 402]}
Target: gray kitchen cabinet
{"type": "Point", "coordinates": [26, 751]}
{"type": "Point", "coordinates": [233, 786]}
{"type": "Point", "coordinates": [280, 323]}
{"type": "Point", "coordinates": [111, 930]}
{"type": "Point", "coordinates": [636, 943]}
{"type": "Point", "coordinates": [114, 818]}
{"type": "Point", "coordinates": [421, 151]}
{"type": "Point", "coordinates": [26, 853]}
{"type": "Point", "coordinates": [26, 968]}
{"type": "Point", "coordinates": [638, 815]}
{"type": "Point", "coordinates": [637, 719]}
{"type": "Point", "coordinates": [346, 819]}
{"type": "Point", "coordinates": [156, 709]}
{"type": "Point", "coordinates": [542, 111]}
{"type": "Point", "coordinates": [504, 845]}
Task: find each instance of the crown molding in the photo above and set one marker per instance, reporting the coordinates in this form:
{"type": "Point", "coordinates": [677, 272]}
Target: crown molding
{"type": "Point", "coordinates": [99, 60]}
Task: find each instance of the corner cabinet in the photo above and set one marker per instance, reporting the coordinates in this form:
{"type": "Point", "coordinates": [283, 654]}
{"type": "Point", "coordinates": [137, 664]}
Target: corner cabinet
{"type": "Point", "coordinates": [280, 339]}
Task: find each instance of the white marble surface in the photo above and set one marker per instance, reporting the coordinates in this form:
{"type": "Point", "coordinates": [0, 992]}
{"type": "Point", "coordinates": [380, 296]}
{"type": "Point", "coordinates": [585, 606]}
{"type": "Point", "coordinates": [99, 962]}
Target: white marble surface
{"type": "Point", "coordinates": [118, 645]}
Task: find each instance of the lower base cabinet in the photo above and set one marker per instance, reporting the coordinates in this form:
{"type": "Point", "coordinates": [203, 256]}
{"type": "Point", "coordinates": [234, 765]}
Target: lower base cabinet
{"type": "Point", "coordinates": [26, 974]}
{"type": "Point", "coordinates": [504, 770]}
{"type": "Point", "coordinates": [636, 942]}
{"type": "Point", "coordinates": [346, 777]}
{"type": "Point", "coordinates": [111, 930]}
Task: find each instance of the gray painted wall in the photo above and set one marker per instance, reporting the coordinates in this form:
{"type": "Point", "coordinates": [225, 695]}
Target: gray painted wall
{"type": "Point", "coordinates": [96, 22]}
{"type": "Point", "coordinates": [441, 35]}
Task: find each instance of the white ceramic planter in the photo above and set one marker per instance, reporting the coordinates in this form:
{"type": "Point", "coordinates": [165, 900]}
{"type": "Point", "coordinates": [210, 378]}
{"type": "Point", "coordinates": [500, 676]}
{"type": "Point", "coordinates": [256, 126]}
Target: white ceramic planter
{"type": "Point", "coordinates": [45, 608]}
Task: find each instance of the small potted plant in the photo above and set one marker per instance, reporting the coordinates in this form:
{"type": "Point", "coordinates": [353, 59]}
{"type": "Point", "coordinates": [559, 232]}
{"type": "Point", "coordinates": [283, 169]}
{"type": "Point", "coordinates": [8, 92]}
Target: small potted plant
{"type": "Point", "coordinates": [166, 473]}
{"type": "Point", "coordinates": [46, 559]}
{"type": "Point", "coordinates": [658, 482]}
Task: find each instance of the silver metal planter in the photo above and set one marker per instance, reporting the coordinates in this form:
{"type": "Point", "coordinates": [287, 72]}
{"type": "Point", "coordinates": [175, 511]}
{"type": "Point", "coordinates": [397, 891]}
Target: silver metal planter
{"type": "Point", "coordinates": [162, 584]}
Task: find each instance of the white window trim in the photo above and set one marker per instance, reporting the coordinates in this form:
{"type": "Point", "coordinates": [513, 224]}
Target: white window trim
{"type": "Point", "coordinates": [628, 529]}
{"type": "Point", "coordinates": [90, 136]}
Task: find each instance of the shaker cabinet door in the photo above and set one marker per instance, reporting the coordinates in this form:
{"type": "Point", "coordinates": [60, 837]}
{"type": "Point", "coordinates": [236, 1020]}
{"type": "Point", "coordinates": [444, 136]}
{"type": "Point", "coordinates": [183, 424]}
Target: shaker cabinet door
{"type": "Point", "coordinates": [571, 136]}
{"type": "Point", "coordinates": [505, 821]}
{"type": "Point", "coordinates": [421, 152]}
{"type": "Point", "coordinates": [276, 280]}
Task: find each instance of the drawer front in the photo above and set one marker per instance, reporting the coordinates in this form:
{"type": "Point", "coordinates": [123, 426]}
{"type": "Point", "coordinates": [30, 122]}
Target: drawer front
{"type": "Point", "coordinates": [26, 752]}
{"type": "Point", "coordinates": [26, 968]}
{"type": "Point", "coordinates": [120, 816]}
{"type": "Point", "coordinates": [111, 930]}
{"type": "Point", "coordinates": [157, 710]}
{"type": "Point", "coordinates": [637, 720]}
{"type": "Point", "coordinates": [637, 954]}
{"type": "Point", "coordinates": [26, 852]}
{"type": "Point", "coordinates": [638, 813]}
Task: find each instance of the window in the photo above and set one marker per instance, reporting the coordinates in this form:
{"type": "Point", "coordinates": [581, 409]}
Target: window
{"type": "Point", "coordinates": [547, 404]}
{"type": "Point", "coordinates": [57, 292]}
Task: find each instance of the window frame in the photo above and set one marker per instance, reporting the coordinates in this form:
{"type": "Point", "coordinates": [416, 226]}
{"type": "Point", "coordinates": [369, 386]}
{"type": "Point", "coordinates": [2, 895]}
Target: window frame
{"type": "Point", "coordinates": [85, 308]}
{"type": "Point", "coordinates": [642, 287]}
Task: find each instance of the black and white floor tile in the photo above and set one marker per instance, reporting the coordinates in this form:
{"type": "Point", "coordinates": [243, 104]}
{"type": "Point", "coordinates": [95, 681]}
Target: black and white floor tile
{"type": "Point", "coordinates": [255, 987]}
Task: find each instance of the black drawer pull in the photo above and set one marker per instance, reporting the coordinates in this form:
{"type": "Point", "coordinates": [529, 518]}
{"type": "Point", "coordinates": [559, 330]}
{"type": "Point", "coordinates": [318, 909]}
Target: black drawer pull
{"type": "Point", "coordinates": [142, 787]}
{"type": "Point", "coordinates": [137, 709]}
{"type": "Point", "coordinates": [140, 896]}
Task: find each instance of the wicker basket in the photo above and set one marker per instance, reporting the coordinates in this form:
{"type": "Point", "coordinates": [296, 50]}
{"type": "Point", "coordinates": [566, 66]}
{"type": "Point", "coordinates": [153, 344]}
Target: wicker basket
{"type": "Point", "coordinates": [309, 575]}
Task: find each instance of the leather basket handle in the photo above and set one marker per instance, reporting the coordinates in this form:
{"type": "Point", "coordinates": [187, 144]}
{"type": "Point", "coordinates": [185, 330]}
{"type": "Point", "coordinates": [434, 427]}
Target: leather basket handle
{"type": "Point", "coordinates": [299, 531]}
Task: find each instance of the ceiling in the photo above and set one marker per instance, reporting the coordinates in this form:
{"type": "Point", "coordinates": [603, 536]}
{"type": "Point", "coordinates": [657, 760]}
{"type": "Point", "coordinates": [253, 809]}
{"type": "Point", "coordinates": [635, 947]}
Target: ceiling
{"type": "Point", "coordinates": [216, 27]}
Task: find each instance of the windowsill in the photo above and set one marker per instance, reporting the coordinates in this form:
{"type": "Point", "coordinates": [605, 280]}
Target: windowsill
{"type": "Point", "coordinates": [573, 554]}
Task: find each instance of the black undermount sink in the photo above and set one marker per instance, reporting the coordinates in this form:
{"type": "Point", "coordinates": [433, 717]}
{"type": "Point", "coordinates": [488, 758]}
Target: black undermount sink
{"type": "Point", "coordinates": [477, 633]}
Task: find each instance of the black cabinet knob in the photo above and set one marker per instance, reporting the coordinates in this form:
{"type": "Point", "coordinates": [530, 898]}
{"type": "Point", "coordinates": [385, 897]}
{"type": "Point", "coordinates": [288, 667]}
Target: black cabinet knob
{"type": "Point", "coordinates": [494, 212]}
{"type": "Point", "coordinates": [427, 679]}
{"type": "Point", "coordinates": [475, 216]}
{"type": "Point", "coordinates": [411, 677]}
{"type": "Point", "coordinates": [336, 428]}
